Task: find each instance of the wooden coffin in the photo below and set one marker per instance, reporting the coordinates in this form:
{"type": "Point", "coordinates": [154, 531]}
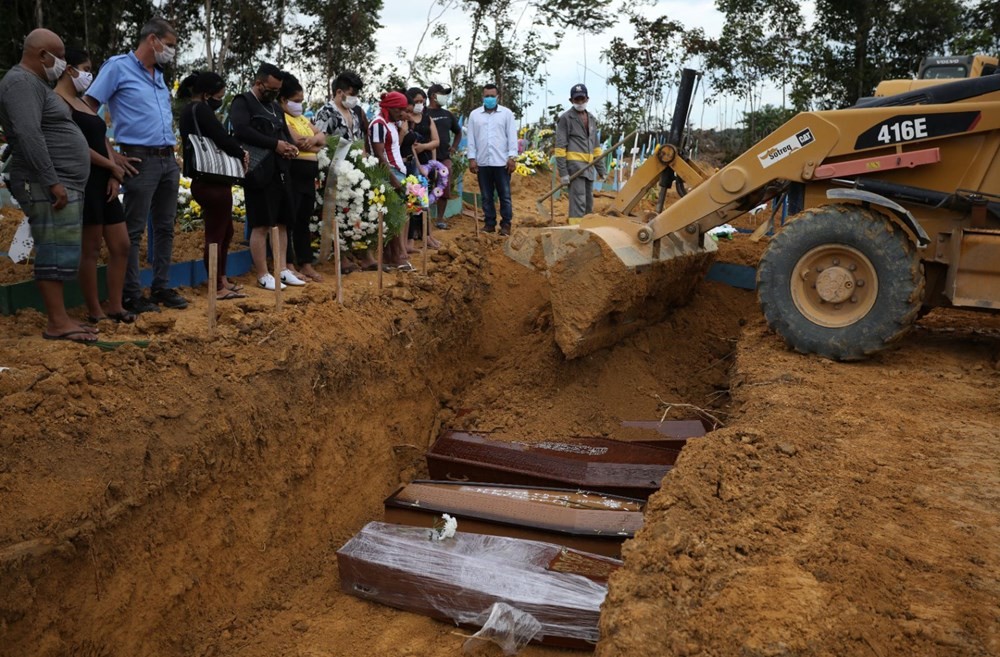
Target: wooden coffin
{"type": "Point", "coordinates": [460, 578]}
{"type": "Point", "coordinates": [672, 434]}
{"type": "Point", "coordinates": [591, 522]}
{"type": "Point", "coordinates": [593, 464]}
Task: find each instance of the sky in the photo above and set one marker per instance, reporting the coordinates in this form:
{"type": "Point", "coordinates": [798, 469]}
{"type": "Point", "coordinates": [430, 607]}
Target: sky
{"type": "Point", "coordinates": [576, 60]}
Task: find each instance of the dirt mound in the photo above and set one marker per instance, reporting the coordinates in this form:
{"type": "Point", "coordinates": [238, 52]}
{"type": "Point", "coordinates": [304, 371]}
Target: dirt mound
{"type": "Point", "coordinates": [850, 510]}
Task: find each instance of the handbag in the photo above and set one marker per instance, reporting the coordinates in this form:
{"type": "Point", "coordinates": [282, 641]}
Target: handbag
{"type": "Point", "coordinates": [260, 171]}
{"type": "Point", "coordinates": [210, 162]}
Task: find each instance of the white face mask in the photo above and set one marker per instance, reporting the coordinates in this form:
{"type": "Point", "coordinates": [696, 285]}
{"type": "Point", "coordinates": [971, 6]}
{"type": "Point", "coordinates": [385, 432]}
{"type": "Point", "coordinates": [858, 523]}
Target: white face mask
{"type": "Point", "coordinates": [580, 107]}
{"type": "Point", "coordinates": [350, 102]}
{"type": "Point", "coordinates": [294, 109]}
{"type": "Point", "coordinates": [82, 80]}
{"type": "Point", "coordinates": [442, 99]}
{"type": "Point", "coordinates": [56, 70]}
{"type": "Point", "coordinates": [418, 108]}
{"type": "Point", "coordinates": [165, 56]}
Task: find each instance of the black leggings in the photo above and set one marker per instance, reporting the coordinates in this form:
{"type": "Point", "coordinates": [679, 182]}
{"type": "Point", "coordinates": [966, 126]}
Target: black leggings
{"type": "Point", "coordinates": [217, 208]}
{"type": "Point", "coordinates": [303, 196]}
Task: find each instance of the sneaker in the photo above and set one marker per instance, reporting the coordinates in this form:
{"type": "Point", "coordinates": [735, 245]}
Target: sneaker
{"type": "Point", "coordinates": [140, 305]}
{"type": "Point", "coordinates": [505, 230]}
{"type": "Point", "coordinates": [168, 297]}
{"type": "Point", "coordinates": [267, 282]}
{"type": "Point", "coordinates": [288, 277]}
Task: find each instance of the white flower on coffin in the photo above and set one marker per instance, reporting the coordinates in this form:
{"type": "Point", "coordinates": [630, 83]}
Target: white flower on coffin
{"type": "Point", "coordinates": [444, 528]}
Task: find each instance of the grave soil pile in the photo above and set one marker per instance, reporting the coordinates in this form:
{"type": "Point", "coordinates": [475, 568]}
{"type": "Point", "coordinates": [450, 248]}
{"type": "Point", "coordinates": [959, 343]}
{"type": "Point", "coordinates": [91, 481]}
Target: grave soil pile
{"type": "Point", "coordinates": [187, 498]}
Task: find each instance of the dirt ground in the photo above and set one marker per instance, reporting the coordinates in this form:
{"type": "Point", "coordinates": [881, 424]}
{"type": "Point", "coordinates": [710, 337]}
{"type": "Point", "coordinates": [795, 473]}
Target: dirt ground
{"type": "Point", "coordinates": [187, 498]}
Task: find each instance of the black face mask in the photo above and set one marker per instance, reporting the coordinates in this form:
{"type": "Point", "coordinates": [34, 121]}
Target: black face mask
{"type": "Point", "coordinates": [268, 95]}
{"type": "Point", "coordinates": [214, 103]}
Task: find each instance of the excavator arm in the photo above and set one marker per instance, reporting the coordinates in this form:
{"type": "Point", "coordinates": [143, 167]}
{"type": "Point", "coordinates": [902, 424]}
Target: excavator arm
{"type": "Point", "coordinates": [928, 146]}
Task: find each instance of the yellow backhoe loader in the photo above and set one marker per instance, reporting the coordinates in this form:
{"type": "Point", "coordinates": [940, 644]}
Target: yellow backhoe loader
{"type": "Point", "coordinates": [894, 207]}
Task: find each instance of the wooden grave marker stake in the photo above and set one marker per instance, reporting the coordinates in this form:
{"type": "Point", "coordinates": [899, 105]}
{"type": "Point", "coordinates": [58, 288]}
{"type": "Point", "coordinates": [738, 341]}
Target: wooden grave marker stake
{"type": "Point", "coordinates": [213, 284]}
{"type": "Point", "coordinates": [275, 248]}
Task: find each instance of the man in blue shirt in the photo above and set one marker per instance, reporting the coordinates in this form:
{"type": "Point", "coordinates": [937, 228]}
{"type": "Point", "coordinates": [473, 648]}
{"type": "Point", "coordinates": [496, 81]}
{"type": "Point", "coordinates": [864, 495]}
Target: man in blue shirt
{"type": "Point", "coordinates": [492, 147]}
{"type": "Point", "coordinates": [133, 88]}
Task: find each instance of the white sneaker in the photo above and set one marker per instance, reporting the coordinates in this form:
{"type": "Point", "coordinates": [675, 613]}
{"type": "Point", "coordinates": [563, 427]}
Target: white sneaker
{"type": "Point", "coordinates": [267, 282]}
{"type": "Point", "coordinates": [289, 277]}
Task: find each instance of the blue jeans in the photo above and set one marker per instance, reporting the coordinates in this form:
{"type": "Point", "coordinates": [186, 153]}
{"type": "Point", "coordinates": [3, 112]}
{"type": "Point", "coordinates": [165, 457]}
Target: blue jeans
{"type": "Point", "coordinates": [151, 193]}
{"type": "Point", "coordinates": [495, 180]}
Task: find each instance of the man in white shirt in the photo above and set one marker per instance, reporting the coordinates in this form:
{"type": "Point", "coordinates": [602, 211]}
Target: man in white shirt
{"type": "Point", "coordinates": [492, 147]}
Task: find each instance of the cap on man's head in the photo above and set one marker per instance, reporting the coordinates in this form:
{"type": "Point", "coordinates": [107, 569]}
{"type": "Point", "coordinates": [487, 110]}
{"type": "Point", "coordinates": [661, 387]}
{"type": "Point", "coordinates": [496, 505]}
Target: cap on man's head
{"type": "Point", "coordinates": [438, 89]}
{"type": "Point", "coordinates": [579, 91]}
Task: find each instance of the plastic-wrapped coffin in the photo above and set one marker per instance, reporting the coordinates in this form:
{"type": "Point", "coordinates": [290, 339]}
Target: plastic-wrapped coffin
{"type": "Point", "coordinates": [592, 522]}
{"type": "Point", "coordinates": [594, 464]}
{"type": "Point", "coordinates": [461, 578]}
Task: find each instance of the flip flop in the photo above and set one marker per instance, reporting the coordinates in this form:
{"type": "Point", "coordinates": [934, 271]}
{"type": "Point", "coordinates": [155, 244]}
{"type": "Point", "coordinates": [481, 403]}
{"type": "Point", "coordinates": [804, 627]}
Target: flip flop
{"type": "Point", "coordinates": [124, 317]}
{"type": "Point", "coordinates": [234, 287]}
{"type": "Point", "coordinates": [231, 294]}
{"type": "Point", "coordinates": [68, 336]}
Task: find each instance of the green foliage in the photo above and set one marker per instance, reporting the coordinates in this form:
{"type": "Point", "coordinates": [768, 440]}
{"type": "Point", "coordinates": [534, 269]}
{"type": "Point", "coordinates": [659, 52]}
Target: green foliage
{"type": "Point", "coordinates": [762, 122]}
{"type": "Point", "coordinates": [856, 45]}
{"type": "Point", "coordinates": [640, 73]}
{"type": "Point", "coordinates": [332, 36]}
{"type": "Point", "coordinates": [758, 45]}
{"type": "Point", "coordinates": [102, 27]}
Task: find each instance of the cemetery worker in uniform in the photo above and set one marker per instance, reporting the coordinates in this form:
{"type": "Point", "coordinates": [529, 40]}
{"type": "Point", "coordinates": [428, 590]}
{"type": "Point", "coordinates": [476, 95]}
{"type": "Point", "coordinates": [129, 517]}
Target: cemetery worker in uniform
{"type": "Point", "coordinates": [133, 88]}
{"type": "Point", "coordinates": [492, 147]}
{"type": "Point", "coordinates": [49, 170]}
{"type": "Point", "coordinates": [577, 147]}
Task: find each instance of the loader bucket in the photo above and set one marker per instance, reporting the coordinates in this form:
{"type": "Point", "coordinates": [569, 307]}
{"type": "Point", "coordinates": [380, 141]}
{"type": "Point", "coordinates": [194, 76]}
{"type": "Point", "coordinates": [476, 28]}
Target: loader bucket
{"type": "Point", "coordinates": [603, 284]}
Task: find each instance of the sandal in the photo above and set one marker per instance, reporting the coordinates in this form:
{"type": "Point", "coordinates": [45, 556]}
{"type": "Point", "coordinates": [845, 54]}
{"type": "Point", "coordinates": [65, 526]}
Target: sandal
{"type": "Point", "coordinates": [124, 317]}
{"type": "Point", "coordinates": [230, 294]}
{"type": "Point", "coordinates": [234, 287]}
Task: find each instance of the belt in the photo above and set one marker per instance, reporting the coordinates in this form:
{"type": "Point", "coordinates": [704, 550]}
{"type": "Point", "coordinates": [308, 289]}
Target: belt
{"type": "Point", "coordinates": [155, 151]}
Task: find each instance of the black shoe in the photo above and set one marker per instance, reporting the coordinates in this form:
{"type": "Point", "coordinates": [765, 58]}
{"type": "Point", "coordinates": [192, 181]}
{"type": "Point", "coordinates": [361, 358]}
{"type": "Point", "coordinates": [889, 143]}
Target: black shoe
{"type": "Point", "coordinates": [490, 229]}
{"type": "Point", "coordinates": [140, 305]}
{"type": "Point", "coordinates": [505, 230]}
{"type": "Point", "coordinates": [168, 297]}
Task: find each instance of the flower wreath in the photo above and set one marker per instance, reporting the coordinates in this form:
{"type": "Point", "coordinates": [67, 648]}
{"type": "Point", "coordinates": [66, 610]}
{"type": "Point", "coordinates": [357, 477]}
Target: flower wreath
{"type": "Point", "coordinates": [437, 190]}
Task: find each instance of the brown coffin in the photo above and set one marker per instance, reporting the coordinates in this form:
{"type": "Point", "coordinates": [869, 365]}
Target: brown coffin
{"type": "Point", "coordinates": [594, 464]}
{"type": "Point", "coordinates": [591, 522]}
{"type": "Point", "coordinates": [672, 434]}
{"type": "Point", "coordinates": [459, 579]}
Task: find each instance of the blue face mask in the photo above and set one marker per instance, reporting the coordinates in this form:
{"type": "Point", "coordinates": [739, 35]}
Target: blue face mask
{"type": "Point", "coordinates": [490, 102]}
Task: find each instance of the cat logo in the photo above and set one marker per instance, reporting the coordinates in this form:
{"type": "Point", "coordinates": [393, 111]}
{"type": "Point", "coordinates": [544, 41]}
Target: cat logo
{"type": "Point", "coordinates": [782, 150]}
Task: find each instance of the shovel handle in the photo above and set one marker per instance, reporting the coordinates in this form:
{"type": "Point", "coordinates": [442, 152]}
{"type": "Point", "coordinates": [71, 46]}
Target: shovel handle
{"type": "Point", "coordinates": [573, 177]}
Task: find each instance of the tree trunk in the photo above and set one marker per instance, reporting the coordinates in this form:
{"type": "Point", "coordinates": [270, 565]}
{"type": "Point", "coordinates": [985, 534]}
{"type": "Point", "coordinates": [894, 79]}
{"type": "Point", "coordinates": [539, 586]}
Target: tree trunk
{"type": "Point", "coordinates": [209, 64]}
{"type": "Point", "coordinates": [39, 14]}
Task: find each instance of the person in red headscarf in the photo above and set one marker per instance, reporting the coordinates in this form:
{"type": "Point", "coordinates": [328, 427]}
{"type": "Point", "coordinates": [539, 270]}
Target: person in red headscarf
{"type": "Point", "coordinates": [384, 137]}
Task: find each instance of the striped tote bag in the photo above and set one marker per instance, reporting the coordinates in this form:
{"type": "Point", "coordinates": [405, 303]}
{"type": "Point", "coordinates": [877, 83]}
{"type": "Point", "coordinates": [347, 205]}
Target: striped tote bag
{"type": "Point", "coordinates": [210, 162]}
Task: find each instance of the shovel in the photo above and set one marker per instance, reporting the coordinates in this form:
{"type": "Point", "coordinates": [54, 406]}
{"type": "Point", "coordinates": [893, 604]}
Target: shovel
{"type": "Point", "coordinates": [538, 203]}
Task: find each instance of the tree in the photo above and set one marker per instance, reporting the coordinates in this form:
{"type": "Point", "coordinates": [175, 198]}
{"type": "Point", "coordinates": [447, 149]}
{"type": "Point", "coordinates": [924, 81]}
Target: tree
{"type": "Point", "coordinates": [759, 42]}
{"type": "Point", "coordinates": [639, 73]}
{"type": "Point", "coordinates": [980, 29]}
{"type": "Point", "coordinates": [859, 43]}
{"type": "Point", "coordinates": [336, 35]}
{"type": "Point", "coordinates": [101, 27]}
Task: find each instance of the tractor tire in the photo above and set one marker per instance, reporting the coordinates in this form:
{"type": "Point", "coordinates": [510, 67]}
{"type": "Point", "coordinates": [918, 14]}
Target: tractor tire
{"type": "Point", "coordinates": [841, 281]}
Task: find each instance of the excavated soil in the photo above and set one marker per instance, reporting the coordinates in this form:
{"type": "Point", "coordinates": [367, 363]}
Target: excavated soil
{"type": "Point", "coordinates": [187, 498]}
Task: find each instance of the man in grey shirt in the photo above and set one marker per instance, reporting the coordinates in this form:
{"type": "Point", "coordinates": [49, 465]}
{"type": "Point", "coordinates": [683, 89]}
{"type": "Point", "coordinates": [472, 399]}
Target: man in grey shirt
{"type": "Point", "coordinates": [49, 170]}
